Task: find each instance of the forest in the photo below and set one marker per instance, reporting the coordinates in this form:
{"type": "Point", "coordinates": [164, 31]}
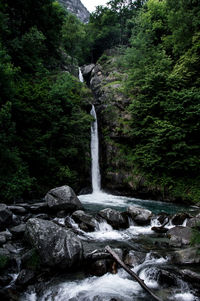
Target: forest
{"type": "Point", "coordinates": [44, 109]}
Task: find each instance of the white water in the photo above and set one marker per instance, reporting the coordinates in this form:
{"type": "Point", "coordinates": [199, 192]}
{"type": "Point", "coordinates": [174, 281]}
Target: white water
{"type": "Point", "coordinates": [96, 178]}
{"type": "Point", "coordinates": [80, 75]}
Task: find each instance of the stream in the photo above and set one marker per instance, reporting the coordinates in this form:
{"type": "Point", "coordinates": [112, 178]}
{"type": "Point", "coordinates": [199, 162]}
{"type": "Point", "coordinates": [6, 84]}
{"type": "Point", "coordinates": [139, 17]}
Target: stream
{"type": "Point", "coordinates": [120, 287]}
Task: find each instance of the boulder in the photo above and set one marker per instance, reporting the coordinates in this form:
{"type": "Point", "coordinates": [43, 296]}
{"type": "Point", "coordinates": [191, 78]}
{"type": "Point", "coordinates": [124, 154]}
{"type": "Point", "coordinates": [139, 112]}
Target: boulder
{"type": "Point", "coordinates": [193, 222]}
{"type": "Point", "coordinates": [81, 217]}
{"type": "Point", "coordinates": [25, 277]}
{"type": "Point", "coordinates": [134, 258]}
{"type": "Point", "coordinates": [39, 207]}
{"type": "Point", "coordinates": [179, 236]}
{"type": "Point", "coordinates": [18, 231]}
{"type": "Point", "coordinates": [17, 209]}
{"type": "Point", "coordinates": [86, 70]}
{"type": "Point", "coordinates": [179, 218]}
{"type": "Point", "coordinates": [186, 256]}
{"type": "Point", "coordinates": [63, 198]}
{"type": "Point", "coordinates": [140, 215]}
{"type": "Point", "coordinates": [192, 277]}
{"type": "Point", "coordinates": [5, 216]}
{"type": "Point", "coordinates": [56, 246]}
{"type": "Point", "coordinates": [114, 218]}
{"type": "Point", "coordinates": [2, 239]}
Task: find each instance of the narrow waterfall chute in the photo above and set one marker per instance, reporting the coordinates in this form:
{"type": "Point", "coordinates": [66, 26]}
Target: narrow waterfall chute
{"type": "Point", "coordinates": [96, 177]}
{"type": "Point", "coordinates": [80, 75]}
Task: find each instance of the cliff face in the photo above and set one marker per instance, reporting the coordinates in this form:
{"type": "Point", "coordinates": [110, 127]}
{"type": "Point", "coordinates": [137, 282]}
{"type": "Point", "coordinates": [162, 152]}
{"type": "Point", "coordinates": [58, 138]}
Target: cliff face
{"type": "Point", "coordinates": [77, 8]}
{"type": "Point", "coordinates": [106, 80]}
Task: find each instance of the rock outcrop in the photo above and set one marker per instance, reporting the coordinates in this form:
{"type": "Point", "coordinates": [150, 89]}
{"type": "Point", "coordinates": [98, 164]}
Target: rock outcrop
{"type": "Point", "coordinates": [77, 8]}
{"type": "Point", "coordinates": [56, 246]}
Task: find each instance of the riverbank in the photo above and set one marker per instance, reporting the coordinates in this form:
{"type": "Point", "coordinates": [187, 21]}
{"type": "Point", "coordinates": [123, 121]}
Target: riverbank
{"type": "Point", "coordinates": [64, 233]}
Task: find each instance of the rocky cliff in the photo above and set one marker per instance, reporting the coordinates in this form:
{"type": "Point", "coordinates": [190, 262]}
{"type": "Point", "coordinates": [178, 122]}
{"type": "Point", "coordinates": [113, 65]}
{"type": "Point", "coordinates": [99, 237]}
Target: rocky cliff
{"type": "Point", "coordinates": [106, 80]}
{"type": "Point", "coordinates": [77, 8]}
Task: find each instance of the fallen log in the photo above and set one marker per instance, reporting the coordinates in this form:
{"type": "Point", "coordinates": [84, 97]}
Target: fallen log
{"type": "Point", "coordinates": [130, 272]}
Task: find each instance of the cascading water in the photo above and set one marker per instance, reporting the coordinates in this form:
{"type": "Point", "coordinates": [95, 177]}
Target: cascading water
{"type": "Point", "coordinates": [80, 75]}
{"type": "Point", "coordinates": [96, 177]}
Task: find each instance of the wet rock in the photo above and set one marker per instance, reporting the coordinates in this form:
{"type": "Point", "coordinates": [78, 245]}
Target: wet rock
{"type": "Point", "coordinates": [193, 222]}
{"type": "Point", "coordinates": [179, 218]}
{"type": "Point", "coordinates": [38, 207]}
{"type": "Point", "coordinates": [2, 239]}
{"type": "Point", "coordinates": [86, 70]}
{"type": "Point", "coordinates": [5, 280]}
{"type": "Point", "coordinates": [17, 209]}
{"type": "Point", "coordinates": [18, 231]}
{"type": "Point", "coordinates": [11, 248]}
{"type": "Point", "coordinates": [25, 277]}
{"type": "Point", "coordinates": [41, 216]}
{"type": "Point", "coordinates": [7, 234]}
{"type": "Point", "coordinates": [5, 216]}
{"type": "Point", "coordinates": [179, 236]}
{"type": "Point", "coordinates": [134, 258]}
{"type": "Point", "coordinates": [31, 260]}
{"type": "Point", "coordinates": [186, 256]}
{"type": "Point", "coordinates": [56, 246]}
{"type": "Point", "coordinates": [5, 258]}
{"type": "Point", "coordinates": [114, 218]}
{"type": "Point", "coordinates": [192, 277]}
{"type": "Point", "coordinates": [61, 214]}
{"type": "Point", "coordinates": [140, 215]}
{"type": "Point", "coordinates": [16, 220]}
{"type": "Point", "coordinates": [99, 268]}
{"type": "Point", "coordinates": [163, 217]}
{"type": "Point", "coordinates": [85, 220]}
{"type": "Point", "coordinates": [166, 278]}
{"type": "Point", "coordinates": [63, 198]}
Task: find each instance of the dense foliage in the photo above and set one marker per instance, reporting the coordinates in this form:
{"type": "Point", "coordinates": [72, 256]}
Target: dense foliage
{"type": "Point", "coordinates": [164, 87]}
{"type": "Point", "coordinates": [44, 127]}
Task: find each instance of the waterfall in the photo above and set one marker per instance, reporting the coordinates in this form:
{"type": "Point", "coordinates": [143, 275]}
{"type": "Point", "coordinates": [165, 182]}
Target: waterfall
{"type": "Point", "coordinates": [80, 75]}
{"type": "Point", "coordinates": [96, 178]}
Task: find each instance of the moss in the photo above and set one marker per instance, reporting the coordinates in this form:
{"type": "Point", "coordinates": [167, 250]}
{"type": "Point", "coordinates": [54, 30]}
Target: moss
{"type": "Point", "coordinates": [3, 261]}
{"type": "Point", "coordinates": [33, 262]}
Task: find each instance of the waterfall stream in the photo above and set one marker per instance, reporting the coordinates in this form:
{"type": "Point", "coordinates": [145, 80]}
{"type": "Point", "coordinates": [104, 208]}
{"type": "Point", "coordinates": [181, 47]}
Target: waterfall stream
{"type": "Point", "coordinates": [80, 75]}
{"type": "Point", "coordinates": [96, 177]}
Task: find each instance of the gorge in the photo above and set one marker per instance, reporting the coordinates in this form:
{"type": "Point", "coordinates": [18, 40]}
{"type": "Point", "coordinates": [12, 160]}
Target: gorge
{"type": "Point", "coordinates": [99, 146]}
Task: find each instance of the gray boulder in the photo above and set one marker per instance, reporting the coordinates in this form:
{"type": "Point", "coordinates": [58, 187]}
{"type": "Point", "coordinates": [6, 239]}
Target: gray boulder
{"type": "Point", "coordinates": [140, 215]}
{"type": "Point", "coordinates": [86, 70]}
{"type": "Point", "coordinates": [179, 218]}
{"type": "Point", "coordinates": [18, 231]}
{"type": "Point", "coordinates": [186, 256]}
{"type": "Point", "coordinates": [5, 216]}
{"type": "Point", "coordinates": [179, 236]}
{"type": "Point", "coordinates": [56, 246]}
{"type": "Point", "coordinates": [81, 217]}
{"type": "Point", "coordinates": [134, 258]}
{"type": "Point", "coordinates": [193, 222]}
{"type": "Point", "coordinates": [114, 218]}
{"type": "Point", "coordinates": [63, 198]}
{"type": "Point", "coordinates": [17, 209]}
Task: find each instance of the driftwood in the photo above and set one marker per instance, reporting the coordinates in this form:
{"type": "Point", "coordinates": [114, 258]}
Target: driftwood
{"type": "Point", "coordinates": [130, 272]}
{"type": "Point", "coordinates": [162, 228]}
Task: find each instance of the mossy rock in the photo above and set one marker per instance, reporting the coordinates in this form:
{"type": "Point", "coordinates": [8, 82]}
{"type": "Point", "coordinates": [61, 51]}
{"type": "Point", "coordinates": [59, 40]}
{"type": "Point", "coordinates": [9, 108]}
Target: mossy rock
{"type": "Point", "coordinates": [31, 260]}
